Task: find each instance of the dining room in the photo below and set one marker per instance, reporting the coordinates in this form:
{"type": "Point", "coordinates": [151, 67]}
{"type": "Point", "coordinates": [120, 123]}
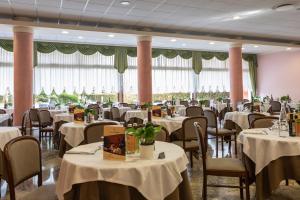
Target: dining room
{"type": "Point", "coordinates": [149, 99]}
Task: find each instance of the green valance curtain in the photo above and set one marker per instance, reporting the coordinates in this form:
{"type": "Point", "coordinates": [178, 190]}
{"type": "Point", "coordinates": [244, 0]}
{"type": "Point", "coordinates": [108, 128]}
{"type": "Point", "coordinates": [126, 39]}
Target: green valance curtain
{"type": "Point", "coordinates": [121, 53]}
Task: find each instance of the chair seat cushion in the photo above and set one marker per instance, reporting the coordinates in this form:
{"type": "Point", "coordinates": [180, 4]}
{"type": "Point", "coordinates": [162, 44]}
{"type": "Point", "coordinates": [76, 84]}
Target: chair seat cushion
{"type": "Point", "coordinates": [45, 192]}
{"type": "Point", "coordinates": [225, 164]}
{"type": "Point", "coordinates": [221, 131]}
{"type": "Point", "coordinates": [188, 144]}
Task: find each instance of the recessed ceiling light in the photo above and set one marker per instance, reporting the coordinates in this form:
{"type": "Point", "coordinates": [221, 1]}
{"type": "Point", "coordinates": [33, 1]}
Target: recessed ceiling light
{"type": "Point", "coordinates": [125, 3]}
{"type": "Point", "coordinates": [212, 43]}
{"type": "Point", "coordinates": [111, 35]}
{"type": "Point", "coordinates": [255, 46]}
{"type": "Point", "coordinates": [65, 32]}
{"type": "Point", "coordinates": [80, 37]}
{"type": "Point", "coordinates": [288, 48]}
{"type": "Point", "coordinates": [236, 17]}
{"type": "Point", "coordinates": [173, 40]}
{"type": "Point", "coordinates": [183, 44]}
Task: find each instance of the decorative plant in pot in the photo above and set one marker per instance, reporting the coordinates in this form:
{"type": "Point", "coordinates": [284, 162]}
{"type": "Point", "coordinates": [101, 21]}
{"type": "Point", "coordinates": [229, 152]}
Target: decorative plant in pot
{"type": "Point", "coordinates": [146, 136]}
{"type": "Point", "coordinates": [89, 114]}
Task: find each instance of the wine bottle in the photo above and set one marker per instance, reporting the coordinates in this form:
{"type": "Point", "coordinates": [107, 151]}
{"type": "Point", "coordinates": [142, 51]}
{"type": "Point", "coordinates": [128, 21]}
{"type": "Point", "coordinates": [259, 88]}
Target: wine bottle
{"type": "Point", "coordinates": [291, 125]}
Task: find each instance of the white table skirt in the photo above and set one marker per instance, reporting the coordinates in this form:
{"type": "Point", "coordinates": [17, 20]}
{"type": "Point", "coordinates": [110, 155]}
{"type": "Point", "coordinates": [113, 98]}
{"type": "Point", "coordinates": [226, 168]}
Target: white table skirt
{"type": "Point", "coordinates": [240, 118]}
{"type": "Point", "coordinates": [56, 112]}
{"type": "Point", "coordinates": [4, 117]}
{"type": "Point", "coordinates": [263, 149]}
{"type": "Point", "coordinates": [7, 134]}
{"type": "Point", "coordinates": [154, 179]}
{"type": "Point", "coordinates": [69, 117]}
{"type": "Point", "coordinates": [74, 132]}
{"type": "Point", "coordinates": [142, 114]}
{"type": "Point", "coordinates": [171, 124]}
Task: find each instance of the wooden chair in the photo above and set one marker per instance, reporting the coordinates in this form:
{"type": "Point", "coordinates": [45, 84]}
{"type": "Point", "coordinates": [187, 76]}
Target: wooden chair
{"type": "Point", "coordinates": [163, 135]}
{"type": "Point", "coordinates": [189, 139]}
{"type": "Point", "coordinates": [45, 124]}
{"type": "Point", "coordinates": [94, 132]}
{"type": "Point", "coordinates": [227, 167]}
{"type": "Point", "coordinates": [2, 111]}
{"type": "Point", "coordinates": [194, 111]}
{"type": "Point", "coordinates": [23, 161]}
{"type": "Point", "coordinates": [194, 102]}
{"type": "Point", "coordinates": [222, 113]}
{"type": "Point", "coordinates": [115, 112]}
{"type": "Point", "coordinates": [216, 132]}
{"type": "Point", "coordinates": [26, 124]}
{"type": "Point", "coordinates": [34, 118]}
{"type": "Point", "coordinates": [254, 116]}
{"type": "Point", "coordinates": [185, 103]}
{"type": "Point", "coordinates": [57, 134]}
{"type": "Point", "coordinates": [265, 122]}
{"type": "Point", "coordinates": [275, 106]}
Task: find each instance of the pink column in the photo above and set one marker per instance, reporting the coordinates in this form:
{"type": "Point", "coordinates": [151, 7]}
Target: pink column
{"type": "Point", "coordinates": [23, 71]}
{"type": "Point", "coordinates": [144, 59]}
{"type": "Point", "coordinates": [236, 74]}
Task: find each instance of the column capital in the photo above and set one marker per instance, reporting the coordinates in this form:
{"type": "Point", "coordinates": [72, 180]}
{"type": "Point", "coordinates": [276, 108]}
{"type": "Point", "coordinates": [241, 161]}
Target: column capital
{"type": "Point", "coordinates": [141, 38]}
{"type": "Point", "coordinates": [24, 29]}
{"type": "Point", "coordinates": [235, 45]}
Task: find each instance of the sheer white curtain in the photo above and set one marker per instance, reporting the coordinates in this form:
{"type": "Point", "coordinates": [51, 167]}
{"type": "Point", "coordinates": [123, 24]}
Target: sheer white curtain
{"type": "Point", "coordinates": [6, 71]}
{"type": "Point", "coordinates": [130, 76]}
{"type": "Point", "coordinates": [92, 73]}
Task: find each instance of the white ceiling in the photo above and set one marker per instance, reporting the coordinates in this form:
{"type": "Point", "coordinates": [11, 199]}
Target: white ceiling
{"type": "Point", "coordinates": [255, 18]}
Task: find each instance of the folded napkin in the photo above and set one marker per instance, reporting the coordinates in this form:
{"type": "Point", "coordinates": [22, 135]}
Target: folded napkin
{"type": "Point", "coordinates": [259, 131]}
{"type": "Point", "coordinates": [84, 149]}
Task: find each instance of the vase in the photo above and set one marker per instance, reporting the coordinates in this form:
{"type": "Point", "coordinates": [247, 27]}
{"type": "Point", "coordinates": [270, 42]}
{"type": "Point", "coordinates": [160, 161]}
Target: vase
{"type": "Point", "coordinates": [146, 151]}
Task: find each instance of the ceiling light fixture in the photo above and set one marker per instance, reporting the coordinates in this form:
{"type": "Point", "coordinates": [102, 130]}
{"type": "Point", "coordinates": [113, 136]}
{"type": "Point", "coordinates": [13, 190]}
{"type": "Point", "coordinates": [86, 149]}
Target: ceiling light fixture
{"type": "Point", "coordinates": [173, 40]}
{"type": "Point", "coordinates": [111, 35]}
{"type": "Point", "coordinates": [212, 43]}
{"type": "Point", "coordinates": [255, 46]}
{"type": "Point", "coordinates": [288, 48]}
{"type": "Point", "coordinates": [125, 3]}
{"type": "Point", "coordinates": [243, 48]}
{"type": "Point", "coordinates": [236, 17]}
{"type": "Point", "coordinates": [80, 37]}
{"type": "Point", "coordinates": [65, 32]}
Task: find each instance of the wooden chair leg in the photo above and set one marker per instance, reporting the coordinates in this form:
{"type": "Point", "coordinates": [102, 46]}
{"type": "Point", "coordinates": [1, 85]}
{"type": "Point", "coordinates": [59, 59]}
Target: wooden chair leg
{"type": "Point", "coordinates": [229, 148]}
{"type": "Point", "coordinates": [241, 188]}
{"type": "Point", "coordinates": [40, 135]}
{"type": "Point", "coordinates": [222, 145]}
{"type": "Point", "coordinates": [217, 146]}
{"type": "Point", "coordinates": [247, 188]}
{"type": "Point", "coordinates": [286, 181]}
{"type": "Point", "coordinates": [235, 145]}
{"type": "Point", "coordinates": [191, 158]}
{"type": "Point", "coordinates": [204, 187]}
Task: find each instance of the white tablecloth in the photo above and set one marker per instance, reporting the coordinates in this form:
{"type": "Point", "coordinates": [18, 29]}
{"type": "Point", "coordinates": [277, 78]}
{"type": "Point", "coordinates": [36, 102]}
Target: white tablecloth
{"type": "Point", "coordinates": [121, 109]}
{"type": "Point", "coordinates": [4, 117]}
{"type": "Point", "coordinates": [69, 117]}
{"type": "Point", "coordinates": [240, 118]}
{"type": "Point", "coordinates": [74, 132]}
{"type": "Point", "coordinates": [154, 179]}
{"type": "Point", "coordinates": [55, 112]}
{"type": "Point", "coordinates": [142, 114]}
{"type": "Point", "coordinates": [171, 124]}
{"type": "Point", "coordinates": [263, 149]}
{"type": "Point", "coordinates": [7, 134]}
{"type": "Point", "coordinates": [219, 106]}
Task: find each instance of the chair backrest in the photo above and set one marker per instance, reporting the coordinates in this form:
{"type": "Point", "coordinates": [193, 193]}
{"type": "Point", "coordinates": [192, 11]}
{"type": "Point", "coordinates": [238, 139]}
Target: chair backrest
{"type": "Point", "coordinates": [275, 106]}
{"type": "Point", "coordinates": [45, 118]}
{"type": "Point", "coordinates": [211, 118]}
{"type": "Point", "coordinates": [194, 102]}
{"type": "Point", "coordinates": [136, 120]}
{"type": "Point", "coordinates": [2, 111]}
{"type": "Point", "coordinates": [265, 122]}
{"type": "Point", "coordinates": [115, 112]}
{"type": "Point", "coordinates": [188, 129]}
{"type": "Point", "coordinates": [34, 115]}
{"type": "Point", "coordinates": [26, 123]}
{"type": "Point", "coordinates": [23, 161]}
{"type": "Point", "coordinates": [185, 103]}
{"type": "Point", "coordinates": [222, 113]}
{"type": "Point", "coordinates": [94, 132]}
{"type": "Point", "coordinates": [201, 133]}
{"type": "Point", "coordinates": [254, 116]}
{"type": "Point", "coordinates": [247, 105]}
{"type": "Point", "coordinates": [163, 135]}
{"type": "Point", "coordinates": [194, 111]}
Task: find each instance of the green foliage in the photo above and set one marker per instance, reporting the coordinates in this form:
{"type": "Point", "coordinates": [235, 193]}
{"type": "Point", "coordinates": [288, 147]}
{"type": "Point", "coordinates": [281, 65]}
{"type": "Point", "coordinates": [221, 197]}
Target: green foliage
{"type": "Point", "coordinates": [89, 110]}
{"type": "Point", "coordinates": [65, 98]}
{"type": "Point", "coordinates": [42, 97]}
{"type": "Point", "coordinates": [286, 98]}
{"type": "Point", "coordinates": [146, 135]}
{"type": "Point", "coordinates": [169, 96]}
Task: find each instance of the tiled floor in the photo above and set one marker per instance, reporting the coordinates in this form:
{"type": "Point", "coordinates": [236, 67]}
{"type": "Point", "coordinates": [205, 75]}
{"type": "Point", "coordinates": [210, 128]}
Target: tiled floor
{"type": "Point", "coordinates": [51, 163]}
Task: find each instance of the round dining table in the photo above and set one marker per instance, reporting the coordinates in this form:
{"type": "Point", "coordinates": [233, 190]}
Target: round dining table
{"type": "Point", "coordinates": [6, 135]}
{"type": "Point", "coordinates": [88, 176]}
{"type": "Point", "coordinates": [171, 124]}
{"type": "Point", "coordinates": [271, 157]}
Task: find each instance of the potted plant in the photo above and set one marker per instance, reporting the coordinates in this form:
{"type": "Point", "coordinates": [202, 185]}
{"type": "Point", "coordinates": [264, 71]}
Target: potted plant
{"type": "Point", "coordinates": [89, 114]}
{"type": "Point", "coordinates": [146, 136]}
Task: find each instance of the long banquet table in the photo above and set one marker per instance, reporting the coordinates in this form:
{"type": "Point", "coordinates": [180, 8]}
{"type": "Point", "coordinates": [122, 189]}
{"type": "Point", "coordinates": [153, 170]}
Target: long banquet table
{"type": "Point", "coordinates": [270, 158]}
{"type": "Point", "coordinates": [90, 177]}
